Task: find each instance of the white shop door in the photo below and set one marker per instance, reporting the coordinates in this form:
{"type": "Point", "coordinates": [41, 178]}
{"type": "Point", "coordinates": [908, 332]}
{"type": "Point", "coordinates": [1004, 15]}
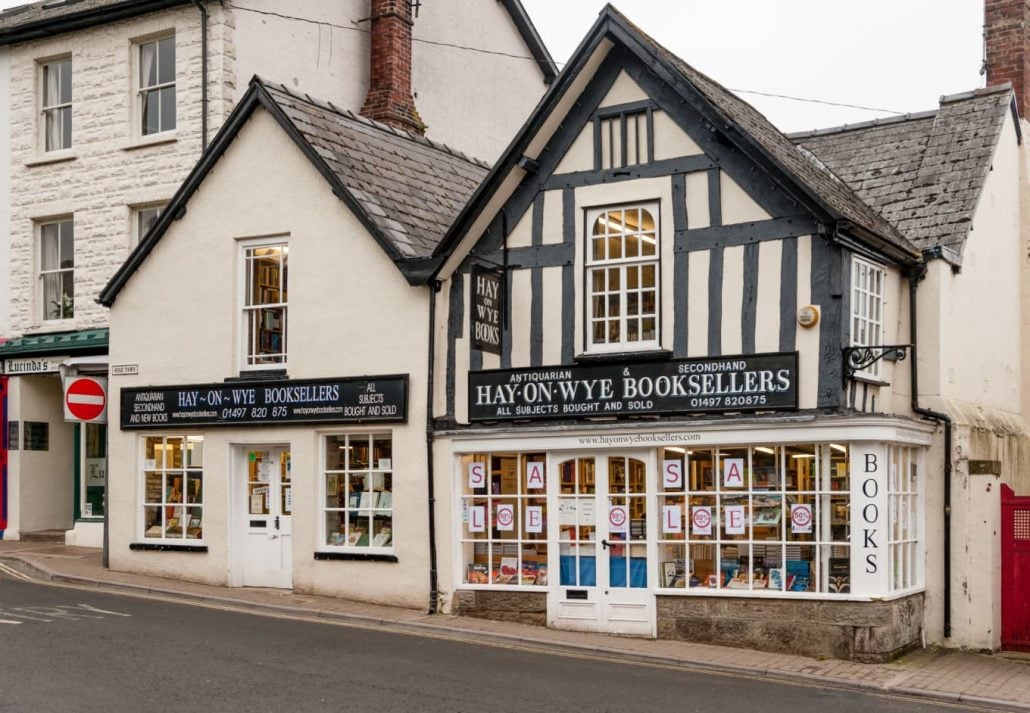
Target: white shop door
{"type": "Point", "coordinates": [603, 583]}
{"type": "Point", "coordinates": [267, 507]}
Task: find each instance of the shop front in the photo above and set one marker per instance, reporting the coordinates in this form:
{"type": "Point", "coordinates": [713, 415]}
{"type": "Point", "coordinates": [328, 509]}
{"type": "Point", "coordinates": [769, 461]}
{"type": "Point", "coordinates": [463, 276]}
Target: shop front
{"type": "Point", "coordinates": [55, 476]}
{"type": "Point", "coordinates": [789, 532]}
{"type": "Point", "coordinates": [272, 483]}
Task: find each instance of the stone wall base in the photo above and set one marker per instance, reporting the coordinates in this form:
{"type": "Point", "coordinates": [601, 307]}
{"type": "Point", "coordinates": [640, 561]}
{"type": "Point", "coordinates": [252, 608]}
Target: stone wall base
{"type": "Point", "coordinates": [871, 632]}
{"type": "Point", "coordinates": [523, 607]}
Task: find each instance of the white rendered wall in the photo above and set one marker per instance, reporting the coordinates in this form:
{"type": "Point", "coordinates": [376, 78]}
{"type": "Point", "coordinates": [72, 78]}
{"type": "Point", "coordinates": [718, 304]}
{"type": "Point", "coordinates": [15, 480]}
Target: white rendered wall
{"type": "Point", "coordinates": [47, 477]}
{"type": "Point", "coordinates": [471, 101]}
{"type": "Point", "coordinates": [351, 313]}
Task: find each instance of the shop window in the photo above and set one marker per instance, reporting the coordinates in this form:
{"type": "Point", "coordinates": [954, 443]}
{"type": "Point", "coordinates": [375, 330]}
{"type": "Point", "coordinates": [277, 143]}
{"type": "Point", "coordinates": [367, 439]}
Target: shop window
{"type": "Point", "coordinates": [903, 502]}
{"type": "Point", "coordinates": [762, 519]}
{"type": "Point", "coordinates": [358, 504]}
{"type": "Point", "coordinates": [93, 470]}
{"type": "Point", "coordinates": [622, 138]}
{"type": "Point", "coordinates": [504, 519]}
{"type": "Point", "coordinates": [56, 104]}
{"type": "Point", "coordinates": [155, 86]}
{"type": "Point", "coordinates": [622, 279]}
{"type": "Point", "coordinates": [173, 487]}
{"type": "Point", "coordinates": [867, 299]}
{"type": "Point", "coordinates": [57, 270]}
{"type": "Point", "coordinates": [265, 304]}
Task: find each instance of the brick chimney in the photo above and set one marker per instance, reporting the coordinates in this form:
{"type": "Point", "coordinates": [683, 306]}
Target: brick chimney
{"type": "Point", "coordinates": [389, 97]}
{"type": "Point", "coordinates": [1006, 26]}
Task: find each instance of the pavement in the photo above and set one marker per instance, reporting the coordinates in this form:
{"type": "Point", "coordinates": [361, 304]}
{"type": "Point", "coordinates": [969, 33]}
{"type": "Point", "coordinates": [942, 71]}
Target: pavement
{"type": "Point", "coordinates": [997, 681]}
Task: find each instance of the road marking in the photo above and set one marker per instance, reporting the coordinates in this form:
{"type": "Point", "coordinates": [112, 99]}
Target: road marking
{"type": "Point", "coordinates": [532, 648]}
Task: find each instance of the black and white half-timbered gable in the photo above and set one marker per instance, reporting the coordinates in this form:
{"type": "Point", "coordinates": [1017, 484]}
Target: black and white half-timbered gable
{"type": "Point", "coordinates": [672, 374]}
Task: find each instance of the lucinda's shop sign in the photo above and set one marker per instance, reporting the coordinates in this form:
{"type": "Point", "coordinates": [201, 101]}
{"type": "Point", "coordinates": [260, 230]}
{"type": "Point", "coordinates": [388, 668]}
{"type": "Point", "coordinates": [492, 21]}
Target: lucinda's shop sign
{"type": "Point", "coordinates": [755, 382]}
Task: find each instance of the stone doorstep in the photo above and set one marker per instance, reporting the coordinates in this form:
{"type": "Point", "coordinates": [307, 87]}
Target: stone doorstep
{"type": "Point", "coordinates": [56, 536]}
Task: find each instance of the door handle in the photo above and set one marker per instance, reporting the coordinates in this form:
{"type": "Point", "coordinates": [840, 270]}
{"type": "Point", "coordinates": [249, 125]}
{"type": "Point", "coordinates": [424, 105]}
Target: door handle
{"type": "Point", "coordinates": [605, 544]}
{"type": "Point", "coordinates": [276, 522]}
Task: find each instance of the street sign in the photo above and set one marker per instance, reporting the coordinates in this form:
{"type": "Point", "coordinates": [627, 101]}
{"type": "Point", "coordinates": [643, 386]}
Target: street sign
{"type": "Point", "coordinates": [85, 399]}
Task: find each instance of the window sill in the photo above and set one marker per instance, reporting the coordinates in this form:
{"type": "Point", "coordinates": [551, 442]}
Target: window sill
{"type": "Point", "coordinates": [650, 354]}
{"type": "Point", "coordinates": [142, 142]}
{"type": "Point", "coordinates": [166, 547]}
{"type": "Point", "coordinates": [869, 379]}
{"type": "Point", "coordinates": [53, 157]}
{"type": "Point", "coordinates": [355, 556]}
{"type": "Point", "coordinates": [95, 519]}
{"type": "Point", "coordinates": [52, 326]}
{"type": "Point", "coordinates": [259, 375]}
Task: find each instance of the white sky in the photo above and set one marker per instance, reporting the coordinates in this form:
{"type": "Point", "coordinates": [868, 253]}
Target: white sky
{"type": "Point", "coordinates": [900, 55]}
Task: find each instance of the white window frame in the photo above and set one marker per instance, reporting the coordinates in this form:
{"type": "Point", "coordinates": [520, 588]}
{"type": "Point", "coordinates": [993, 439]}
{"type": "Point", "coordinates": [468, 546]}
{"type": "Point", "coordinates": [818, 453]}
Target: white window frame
{"type": "Point", "coordinates": [44, 311]}
{"type": "Point", "coordinates": [342, 477]}
{"type": "Point", "coordinates": [868, 300]}
{"type": "Point", "coordinates": [136, 232]}
{"type": "Point", "coordinates": [623, 265]}
{"type": "Point", "coordinates": [139, 89]}
{"type": "Point", "coordinates": [55, 109]}
{"type": "Point", "coordinates": [245, 308]}
{"type": "Point", "coordinates": [185, 502]}
{"type": "Point", "coordinates": [497, 548]}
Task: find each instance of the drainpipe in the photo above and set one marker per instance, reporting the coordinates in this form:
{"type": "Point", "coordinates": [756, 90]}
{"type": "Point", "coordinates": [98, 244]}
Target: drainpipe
{"type": "Point", "coordinates": [945, 420]}
{"type": "Point", "coordinates": [434, 585]}
{"type": "Point", "coordinates": [203, 73]}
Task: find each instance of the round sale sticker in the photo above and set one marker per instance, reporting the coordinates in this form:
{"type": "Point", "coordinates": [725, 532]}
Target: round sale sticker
{"type": "Point", "coordinates": [702, 520]}
{"type": "Point", "coordinates": [505, 517]}
{"type": "Point", "coordinates": [801, 518]}
{"type": "Point", "coordinates": [617, 518]}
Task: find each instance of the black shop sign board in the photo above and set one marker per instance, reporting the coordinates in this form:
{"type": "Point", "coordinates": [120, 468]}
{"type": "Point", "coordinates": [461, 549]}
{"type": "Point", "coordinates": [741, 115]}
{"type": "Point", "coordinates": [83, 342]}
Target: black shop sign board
{"type": "Point", "coordinates": [487, 288]}
{"type": "Point", "coordinates": [368, 399]}
{"type": "Point", "coordinates": [753, 382]}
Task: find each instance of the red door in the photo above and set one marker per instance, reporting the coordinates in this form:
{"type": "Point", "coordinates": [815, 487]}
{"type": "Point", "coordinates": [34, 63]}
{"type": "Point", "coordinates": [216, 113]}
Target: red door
{"type": "Point", "coordinates": [1015, 571]}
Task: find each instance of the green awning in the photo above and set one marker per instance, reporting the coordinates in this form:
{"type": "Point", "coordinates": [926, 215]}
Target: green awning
{"type": "Point", "coordinates": [86, 341]}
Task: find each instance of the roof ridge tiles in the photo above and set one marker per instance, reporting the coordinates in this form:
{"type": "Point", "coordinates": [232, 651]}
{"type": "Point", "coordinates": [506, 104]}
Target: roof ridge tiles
{"type": "Point", "coordinates": [881, 121]}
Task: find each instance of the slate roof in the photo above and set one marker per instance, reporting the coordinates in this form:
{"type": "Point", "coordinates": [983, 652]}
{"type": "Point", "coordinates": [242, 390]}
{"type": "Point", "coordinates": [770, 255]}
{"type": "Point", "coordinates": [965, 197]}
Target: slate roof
{"type": "Point", "coordinates": [409, 187]}
{"type": "Point", "coordinates": [405, 189]}
{"type": "Point", "coordinates": [924, 172]}
{"type": "Point", "coordinates": [49, 17]}
{"type": "Point", "coordinates": [836, 194]}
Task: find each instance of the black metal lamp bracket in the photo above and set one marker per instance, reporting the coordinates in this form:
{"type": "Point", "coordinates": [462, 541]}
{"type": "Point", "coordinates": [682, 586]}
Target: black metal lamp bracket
{"type": "Point", "coordinates": [858, 359]}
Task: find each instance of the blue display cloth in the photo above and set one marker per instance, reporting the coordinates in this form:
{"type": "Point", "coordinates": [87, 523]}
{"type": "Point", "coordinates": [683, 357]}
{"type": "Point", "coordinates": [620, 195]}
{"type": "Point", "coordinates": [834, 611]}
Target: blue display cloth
{"type": "Point", "coordinates": [617, 572]}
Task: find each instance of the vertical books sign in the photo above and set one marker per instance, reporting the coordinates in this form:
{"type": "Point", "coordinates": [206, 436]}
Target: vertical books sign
{"type": "Point", "coordinates": [486, 309]}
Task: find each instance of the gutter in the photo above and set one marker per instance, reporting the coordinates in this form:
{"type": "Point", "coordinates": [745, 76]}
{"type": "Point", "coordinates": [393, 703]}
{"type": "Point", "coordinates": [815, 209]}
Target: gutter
{"type": "Point", "coordinates": [203, 74]}
{"type": "Point", "coordinates": [434, 579]}
{"type": "Point", "coordinates": [945, 421]}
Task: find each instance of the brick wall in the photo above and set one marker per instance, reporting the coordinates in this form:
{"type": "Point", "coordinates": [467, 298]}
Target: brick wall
{"type": "Point", "coordinates": [1005, 36]}
{"type": "Point", "coordinates": [389, 97]}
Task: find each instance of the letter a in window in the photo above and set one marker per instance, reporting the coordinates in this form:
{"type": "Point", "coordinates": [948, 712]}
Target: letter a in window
{"type": "Point", "coordinates": [733, 473]}
{"type": "Point", "coordinates": [534, 475]}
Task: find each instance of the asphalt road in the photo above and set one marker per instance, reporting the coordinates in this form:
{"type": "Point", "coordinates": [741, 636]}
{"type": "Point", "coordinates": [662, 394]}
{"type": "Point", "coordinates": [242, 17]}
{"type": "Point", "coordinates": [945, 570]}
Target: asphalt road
{"type": "Point", "coordinates": [64, 649]}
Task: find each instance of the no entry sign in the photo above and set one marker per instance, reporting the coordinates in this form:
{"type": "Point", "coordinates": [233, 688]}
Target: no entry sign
{"type": "Point", "coordinates": [85, 399]}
